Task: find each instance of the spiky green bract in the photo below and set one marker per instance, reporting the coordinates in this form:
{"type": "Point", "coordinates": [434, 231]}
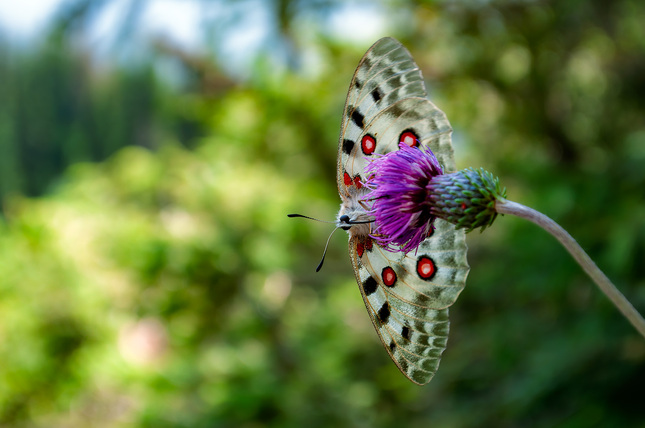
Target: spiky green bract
{"type": "Point", "coordinates": [465, 198]}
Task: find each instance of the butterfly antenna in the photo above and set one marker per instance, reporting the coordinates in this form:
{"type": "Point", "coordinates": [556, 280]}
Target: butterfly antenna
{"type": "Point", "coordinates": [343, 219]}
{"type": "Point", "coordinates": [348, 221]}
{"type": "Point", "coordinates": [325, 252]}
{"type": "Point", "coordinates": [310, 218]}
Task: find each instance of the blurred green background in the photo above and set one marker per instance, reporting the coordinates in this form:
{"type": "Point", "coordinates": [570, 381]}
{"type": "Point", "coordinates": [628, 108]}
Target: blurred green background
{"type": "Point", "coordinates": [149, 275]}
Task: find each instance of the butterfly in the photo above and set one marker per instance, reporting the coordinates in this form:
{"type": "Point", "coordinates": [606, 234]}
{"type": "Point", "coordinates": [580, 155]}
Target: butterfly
{"type": "Point", "coordinates": [407, 295]}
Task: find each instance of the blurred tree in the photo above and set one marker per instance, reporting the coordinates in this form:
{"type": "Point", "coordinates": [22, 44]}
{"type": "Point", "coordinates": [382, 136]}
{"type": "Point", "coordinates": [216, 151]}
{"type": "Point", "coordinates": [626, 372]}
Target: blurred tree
{"type": "Point", "coordinates": [58, 110]}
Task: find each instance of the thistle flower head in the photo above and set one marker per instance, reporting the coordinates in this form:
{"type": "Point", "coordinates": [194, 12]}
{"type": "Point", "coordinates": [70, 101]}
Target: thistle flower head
{"type": "Point", "coordinates": [410, 190]}
{"type": "Point", "coordinates": [398, 200]}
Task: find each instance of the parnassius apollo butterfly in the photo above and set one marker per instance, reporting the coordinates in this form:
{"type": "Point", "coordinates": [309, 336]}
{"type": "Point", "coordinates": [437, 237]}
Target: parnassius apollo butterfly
{"type": "Point", "coordinates": [406, 294]}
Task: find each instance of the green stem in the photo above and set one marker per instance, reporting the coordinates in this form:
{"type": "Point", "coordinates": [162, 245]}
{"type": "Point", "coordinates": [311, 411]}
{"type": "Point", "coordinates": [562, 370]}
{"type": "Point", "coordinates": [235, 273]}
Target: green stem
{"type": "Point", "coordinates": [504, 206]}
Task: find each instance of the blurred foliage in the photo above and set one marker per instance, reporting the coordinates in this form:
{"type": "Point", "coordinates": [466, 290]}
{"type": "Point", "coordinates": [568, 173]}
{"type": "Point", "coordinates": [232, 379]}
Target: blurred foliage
{"type": "Point", "coordinates": [163, 285]}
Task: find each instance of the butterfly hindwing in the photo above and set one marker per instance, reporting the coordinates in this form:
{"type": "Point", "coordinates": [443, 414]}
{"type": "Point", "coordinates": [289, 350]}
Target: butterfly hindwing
{"type": "Point", "coordinates": [411, 322]}
{"type": "Point", "coordinates": [407, 295]}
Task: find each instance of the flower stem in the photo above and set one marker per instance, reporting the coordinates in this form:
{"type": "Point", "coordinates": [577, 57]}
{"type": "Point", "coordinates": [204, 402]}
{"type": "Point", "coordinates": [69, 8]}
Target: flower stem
{"type": "Point", "coordinates": [504, 206]}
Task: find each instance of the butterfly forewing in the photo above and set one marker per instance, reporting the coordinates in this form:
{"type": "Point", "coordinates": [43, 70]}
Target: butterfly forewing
{"type": "Point", "coordinates": [407, 295]}
{"type": "Point", "coordinates": [410, 115]}
{"type": "Point", "coordinates": [385, 75]}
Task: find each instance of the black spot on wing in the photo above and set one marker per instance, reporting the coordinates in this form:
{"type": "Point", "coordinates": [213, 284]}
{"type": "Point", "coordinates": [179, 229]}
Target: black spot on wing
{"type": "Point", "coordinates": [348, 145]}
{"type": "Point", "coordinates": [357, 83]}
{"type": "Point", "coordinates": [405, 332]}
{"type": "Point", "coordinates": [369, 286]}
{"type": "Point", "coordinates": [384, 313]}
{"type": "Point", "coordinates": [358, 119]}
{"type": "Point", "coordinates": [367, 63]}
{"type": "Point", "coordinates": [376, 94]}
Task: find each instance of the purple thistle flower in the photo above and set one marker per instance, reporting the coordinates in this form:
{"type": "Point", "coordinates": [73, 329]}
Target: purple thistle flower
{"type": "Point", "coordinates": [409, 191]}
{"type": "Point", "coordinates": [399, 198]}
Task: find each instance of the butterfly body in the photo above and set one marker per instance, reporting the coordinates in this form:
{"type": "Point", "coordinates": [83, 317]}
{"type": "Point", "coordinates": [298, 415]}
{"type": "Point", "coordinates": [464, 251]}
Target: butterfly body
{"type": "Point", "coordinates": [407, 294]}
{"type": "Point", "coordinates": [353, 216]}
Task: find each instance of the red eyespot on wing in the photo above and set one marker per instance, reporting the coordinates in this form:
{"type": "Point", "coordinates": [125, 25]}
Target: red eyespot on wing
{"type": "Point", "coordinates": [357, 182]}
{"type": "Point", "coordinates": [368, 245]}
{"type": "Point", "coordinates": [347, 179]}
{"type": "Point", "coordinates": [389, 276]}
{"type": "Point", "coordinates": [409, 138]}
{"type": "Point", "coordinates": [368, 144]}
{"type": "Point", "coordinates": [425, 267]}
{"type": "Point", "coordinates": [360, 248]}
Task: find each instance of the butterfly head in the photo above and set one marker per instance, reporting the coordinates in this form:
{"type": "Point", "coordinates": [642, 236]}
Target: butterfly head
{"type": "Point", "coordinates": [354, 218]}
{"type": "Point", "coordinates": [344, 222]}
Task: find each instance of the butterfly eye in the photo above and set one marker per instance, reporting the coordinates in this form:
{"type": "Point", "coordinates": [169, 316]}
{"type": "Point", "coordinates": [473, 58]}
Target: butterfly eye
{"type": "Point", "coordinates": [344, 218]}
